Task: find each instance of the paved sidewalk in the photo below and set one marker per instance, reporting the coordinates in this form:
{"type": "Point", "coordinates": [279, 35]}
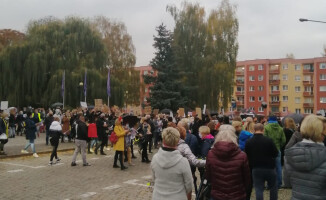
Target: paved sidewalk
{"type": "Point", "coordinates": [15, 145]}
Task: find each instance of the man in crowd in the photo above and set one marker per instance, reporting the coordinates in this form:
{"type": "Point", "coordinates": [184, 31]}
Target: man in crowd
{"type": "Point", "coordinates": [261, 152]}
{"type": "Point", "coordinates": [47, 122]}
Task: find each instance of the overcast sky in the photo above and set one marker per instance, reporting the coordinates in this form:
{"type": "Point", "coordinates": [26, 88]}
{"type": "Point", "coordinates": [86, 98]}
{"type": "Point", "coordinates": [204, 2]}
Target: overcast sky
{"type": "Point", "coordinates": [268, 28]}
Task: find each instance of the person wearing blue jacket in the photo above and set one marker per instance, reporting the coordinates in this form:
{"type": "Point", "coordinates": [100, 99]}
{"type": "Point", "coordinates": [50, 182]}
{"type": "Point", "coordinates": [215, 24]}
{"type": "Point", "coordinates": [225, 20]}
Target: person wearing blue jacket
{"type": "Point", "coordinates": [242, 134]}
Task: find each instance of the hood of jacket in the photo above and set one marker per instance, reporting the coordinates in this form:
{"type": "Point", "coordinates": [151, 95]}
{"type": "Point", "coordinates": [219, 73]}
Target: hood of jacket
{"type": "Point", "coordinates": [306, 156]}
{"type": "Point", "coordinates": [167, 159]}
{"type": "Point", "coordinates": [55, 126]}
{"type": "Point", "coordinates": [225, 149]}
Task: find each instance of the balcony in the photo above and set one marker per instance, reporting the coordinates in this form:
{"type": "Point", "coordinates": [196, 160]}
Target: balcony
{"type": "Point", "coordinates": [239, 73]}
{"type": "Point", "coordinates": [274, 82]}
{"type": "Point", "coordinates": [274, 103]}
{"type": "Point", "coordinates": [240, 103]}
{"type": "Point", "coordinates": [308, 105]}
{"type": "Point", "coordinates": [275, 92]}
{"type": "Point", "coordinates": [274, 71]}
{"type": "Point", "coordinates": [239, 82]}
{"type": "Point", "coordinates": [239, 93]}
{"type": "Point", "coordinates": [308, 71]}
{"type": "Point", "coordinates": [308, 94]}
{"type": "Point", "coordinates": [311, 82]}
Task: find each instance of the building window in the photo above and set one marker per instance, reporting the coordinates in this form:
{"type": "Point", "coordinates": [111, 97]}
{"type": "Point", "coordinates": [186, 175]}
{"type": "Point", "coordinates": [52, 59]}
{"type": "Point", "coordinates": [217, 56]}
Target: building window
{"type": "Point", "coordinates": [285, 66]}
{"type": "Point", "coordinates": [274, 109]}
{"type": "Point", "coordinates": [240, 89]}
{"type": "Point", "coordinates": [298, 110]}
{"type": "Point", "coordinates": [308, 100]}
{"type": "Point", "coordinates": [260, 88]}
{"type": "Point", "coordinates": [308, 111]}
{"type": "Point", "coordinates": [275, 77]}
{"type": "Point", "coordinates": [146, 90]}
{"type": "Point", "coordinates": [285, 98]}
{"type": "Point", "coordinates": [322, 99]}
{"type": "Point", "coordinates": [285, 87]}
{"type": "Point", "coordinates": [308, 89]}
{"type": "Point", "coordinates": [252, 88]}
{"type": "Point", "coordinates": [145, 72]}
{"type": "Point", "coordinates": [251, 98]}
{"type": "Point", "coordinates": [297, 99]}
{"type": "Point", "coordinates": [297, 88]}
{"type": "Point", "coordinates": [285, 77]}
{"type": "Point", "coordinates": [275, 99]}
{"type": "Point", "coordinates": [251, 78]}
{"type": "Point", "coordinates": [285, 109]}
{"type": "Point", "coordinates": [297, 67]}
{"type": "Point", "coordinates": [275, 88]}
{"type": "Point", "coordinates": [260, 77]}
{"type": "Point", "coordinates": [252, 68]}
{"type": "Point", "coordinates": [322, 88]}
{"type": "Point", "coordinates": [260, 98]}
{"type": "Point", "coordinates": [322, 66]}
{"type": "Point", "coordinates": [307, 78]}
{"type": "Point", "coordinates": [260, 67]}
{"type": "Point", "coordinates": [297, 78]}
{"type": "Point", "coordinates": [322, 77]}
{"type": "Point", "coordinates": [260, 109]}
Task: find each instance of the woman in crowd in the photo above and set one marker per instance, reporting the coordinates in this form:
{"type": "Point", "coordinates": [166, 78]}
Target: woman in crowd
{"type": "Point", "coordinates": [289, 129]}
{"type": "Point", "coordinates": [171, 172]}
{"type": "Point", "coordinates": [65, 126]}
{"type": "Point", "coordinates": [30, 134]}
{"type": "Point", "coordinates": [3, 132]}
{"type": "Point", "coordinates": [92, 132]}
{"type": "Point", "coordinates": [119, 146]}
{"type": "Point", "coordinates": [12, 123]}
{"type": "Point", "coordinates": [55, 132]}
{"type": "Point", "coordinates": [227, 168]}
{"type": "Point", "coordinates": [305, 162]}
{"type": "Point", "coordinates": [207, 141]}
{"type": "Point", "coordinates": [145, 135]}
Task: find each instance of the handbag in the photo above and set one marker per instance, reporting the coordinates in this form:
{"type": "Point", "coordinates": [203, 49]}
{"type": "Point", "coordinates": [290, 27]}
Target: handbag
{"type": "Point", "coordinates": [3, 136]}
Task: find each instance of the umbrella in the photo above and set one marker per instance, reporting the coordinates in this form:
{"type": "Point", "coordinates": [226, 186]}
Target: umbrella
{"type": "Point", "coordinates": [57, 104]}
{"type": "Point", "coordinates": [131, 120]}
{"type": "Point", "coordinates": [296, 117]}
{"type": "Point", "coordinates": [166, 111]}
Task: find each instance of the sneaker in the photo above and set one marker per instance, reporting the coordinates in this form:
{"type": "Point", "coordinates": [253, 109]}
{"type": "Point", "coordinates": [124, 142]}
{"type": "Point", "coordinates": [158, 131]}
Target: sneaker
{"type": "Point", "coordinates": [108, 149]}
{"type": "Point", "coordinates": [73, 164]}
{"type": "Point", "coordinates": [102, 153]}
{"type": "Point", "coordinates": [91, 150]}
{"type": "Point", "coordinates": [24, 151]}
{"type": "Point", "coordinates": [58, 160]}
{"type": "Point", "coordinates": [50, 163]}
{"type": "Point", "coordinates": [124, 167]}
{"type": "Point", "coordinates": [116, 166]}
{"type": "Point", "coordinates": [35, 155]}
{"type": "Point", "coordinates": [131, 164]}
{"type": "Point", "coordinates": [86, 164]}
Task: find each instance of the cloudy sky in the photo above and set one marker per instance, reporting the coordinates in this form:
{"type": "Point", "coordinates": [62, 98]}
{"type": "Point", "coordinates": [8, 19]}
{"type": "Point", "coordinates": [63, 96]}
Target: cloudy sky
{"type": "Point", "coordinates": [268, 28]}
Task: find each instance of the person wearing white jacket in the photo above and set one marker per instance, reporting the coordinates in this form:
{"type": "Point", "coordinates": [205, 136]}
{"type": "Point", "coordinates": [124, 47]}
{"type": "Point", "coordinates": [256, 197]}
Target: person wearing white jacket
{"type": "Point", "coordinates": [55, 132]}
{"type": "Point", "coordinates": [171, 171]}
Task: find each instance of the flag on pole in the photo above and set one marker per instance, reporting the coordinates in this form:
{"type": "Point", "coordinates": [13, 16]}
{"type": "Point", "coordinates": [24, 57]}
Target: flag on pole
{"type": "Point", "coordinates": [63, 84]}
{"type": "Point", "coordinates": [108, 86]}
{"type": "Point", "coordinates": [85, 84]}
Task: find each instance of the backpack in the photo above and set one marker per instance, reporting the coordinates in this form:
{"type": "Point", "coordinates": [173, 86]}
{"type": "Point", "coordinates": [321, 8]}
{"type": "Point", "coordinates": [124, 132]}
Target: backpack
{"type": "Point", "coordinates": [113, 138]}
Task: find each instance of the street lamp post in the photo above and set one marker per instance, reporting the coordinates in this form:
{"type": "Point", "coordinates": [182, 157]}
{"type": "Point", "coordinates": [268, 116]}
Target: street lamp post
{"type": "Point", "coordinates": [126, 95]}
{"type": "Point", "coordinates": [309, 20]}
{"type": "Point", "coordinates": [81, 84]}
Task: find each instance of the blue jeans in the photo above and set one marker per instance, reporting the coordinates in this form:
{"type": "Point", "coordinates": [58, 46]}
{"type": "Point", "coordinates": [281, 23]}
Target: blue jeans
{"type": "Point", "coordinates": [259, 176]}
{"type": "Point", "coordinates": [12, 131]}
{"type": "Point", "coordinates": [278, 166]}
{"type": "Point", "coordinates": [30, 143]}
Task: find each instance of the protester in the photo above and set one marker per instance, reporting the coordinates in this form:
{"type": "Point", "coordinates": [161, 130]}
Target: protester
{"type": "Point", "coordinates": [92, 133]}
{"type": "Point", "coordinates": [65, 126]}
{"type": "Point", "coordinates": [119, 145]}
{"type": "Point", "coordinates": [3, 133]}
{"type": "Point", "coordinates": [30, 134]}
{"type": "Point", "coordinates": [261, 152]}
{"type": "Point", "coordinates": [134, 132]}
{"type": "Point", "coordinates": [12, 123]}
{"type": "Point", "coordinates": [47, 122]}
{"type": "Point", "coordinates": [227, 168]}
{"type": "Point", "coordinates": [20, 122]}
{"type": "Point", "coordinates": [55, 132]}
{"type": "Point", "coordinates": [296, 136]}
{"type": "Point", "coordinates": [242, 134]}
{"type": "Point", "coordinates": [274, 131]}
{"type": "Point", "coordinates": [127, 151]}
{"type": "Point", "coordinates": [207, 141]}
{"type": "Point", "coordinates": [80, 141]}
{"type": "Point", "coordinates": [102, 136]}
{"type": "Point", "coordinates": [146, 136]}
{"type": "Point", "coordinates": [171, 172]}
{"type": "Point", "coordinates": [289, 129]}
{"type": "Point", "coordinates": [305, 162]}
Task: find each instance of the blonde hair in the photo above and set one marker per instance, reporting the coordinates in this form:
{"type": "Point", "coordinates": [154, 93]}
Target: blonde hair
{"type": "Point", "coordinates": [250, 127]}
{"type": "Point", "coordinates": [204, 130]}
{"type": "Point", "coordinates": [227, 135]}
{"type": "Point", "coordinates": [170, 137]}
{"type": "Point", "coordinates": [289, 123]}
{"type": "Point", "coordinates": [312, 127]}
{"type": "Point", "coordinates": [227, 127]}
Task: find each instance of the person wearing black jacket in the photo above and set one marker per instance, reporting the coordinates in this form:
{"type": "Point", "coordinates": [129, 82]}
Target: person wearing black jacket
{"type": "Point", "coordinates": [262, 152]}
{"type": "Point", "coordinates": [55, 132]}
{"type": "Point", "coordinates": [12, 124]}
{"type": "Point", "coordinates": [101, 134]}
{"type": "Point", "coordinates": [80, 141]}
{"type": "Point", "coordinates": [47, 122]}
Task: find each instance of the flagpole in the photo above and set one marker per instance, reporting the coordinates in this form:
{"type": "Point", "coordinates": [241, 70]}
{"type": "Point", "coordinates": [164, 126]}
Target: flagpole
{"type": "Point", "coordinates": [63, 94]}
{"type": "Point", "coordinates": [85, 84]}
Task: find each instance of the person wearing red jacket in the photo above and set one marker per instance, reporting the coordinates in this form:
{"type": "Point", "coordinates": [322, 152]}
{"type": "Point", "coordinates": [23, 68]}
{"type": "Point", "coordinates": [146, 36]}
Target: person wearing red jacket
{"type": "Point", "coordinates": [227, 167]}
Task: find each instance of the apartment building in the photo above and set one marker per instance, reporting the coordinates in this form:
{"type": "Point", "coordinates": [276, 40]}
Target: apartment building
{"type": "Point", "coordinates": [285, 85]}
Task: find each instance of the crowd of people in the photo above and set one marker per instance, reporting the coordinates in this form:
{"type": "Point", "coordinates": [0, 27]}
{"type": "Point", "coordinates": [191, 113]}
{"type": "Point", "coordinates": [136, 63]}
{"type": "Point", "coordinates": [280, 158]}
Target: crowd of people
{"type": "Point", "coordinates": [232, 156]}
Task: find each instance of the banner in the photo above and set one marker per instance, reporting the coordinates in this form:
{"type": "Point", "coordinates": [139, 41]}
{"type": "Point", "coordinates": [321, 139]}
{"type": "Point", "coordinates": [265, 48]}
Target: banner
{"type": "Point", "coordinates": [181, 112]}
{"type": "Point", "coordinates": [4, 105]}
{"type": "Point", "coordinates": [98, 104]}
{"type": "Point", "coordinates": [198, 112]}
{"type": "Point", "coordinates": [83, 104]}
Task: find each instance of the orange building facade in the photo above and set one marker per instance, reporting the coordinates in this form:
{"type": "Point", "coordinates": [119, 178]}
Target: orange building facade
{"type": "Point", "coordinates": [285, 85]}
